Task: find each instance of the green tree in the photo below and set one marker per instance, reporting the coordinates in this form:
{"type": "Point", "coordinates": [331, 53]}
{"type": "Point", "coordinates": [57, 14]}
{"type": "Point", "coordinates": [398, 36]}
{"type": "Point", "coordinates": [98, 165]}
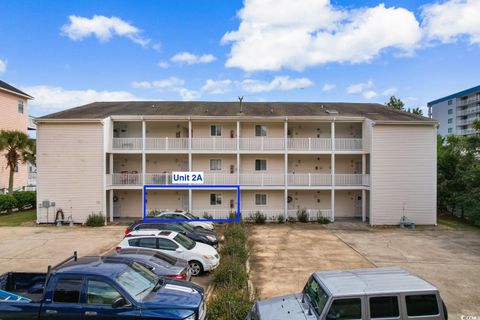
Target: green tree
{"type": "Point", "coordinates": [395, 103]}
{"type": "Point", "coordinates": [476, 125]}
{"type": "Point", "coordinates": [416, 111]}
{"type": "Point", "coordinates": [18, 148]}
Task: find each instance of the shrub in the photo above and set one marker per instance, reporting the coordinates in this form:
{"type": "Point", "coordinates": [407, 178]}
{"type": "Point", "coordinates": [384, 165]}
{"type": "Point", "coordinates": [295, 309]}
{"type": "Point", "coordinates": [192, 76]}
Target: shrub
{"type": "Point", "coordinates": [235, 231]}
{"type": "Point", "coordinates": [323, 220]}
{"type": "Point", "coordinates": [292, 219]}
{"type": "Point", "coordinates": [302, 215]}
{"type": "Point", "coordinates": [230, 273]}
{"type": "Point", "coordinates": [25, 199]}
{"type": "Point", "coordinates": [7, 202]}
{"type": "Point", "coordinates": [259, 217]}
{"type": "Point", "coordinates": [280, 219]}
{"type": "Point", "coordinates": [229, 304]}
{"type": "Point", "coordinates": [235, 248]}
{"type": "Point", "coordinates": [95, 220]}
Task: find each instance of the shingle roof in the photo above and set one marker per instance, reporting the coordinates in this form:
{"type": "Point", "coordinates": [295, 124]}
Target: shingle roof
{"type": "Point", "coordinates": [6, 86]}
{"type": "Point", "coordinates": [101, 110]}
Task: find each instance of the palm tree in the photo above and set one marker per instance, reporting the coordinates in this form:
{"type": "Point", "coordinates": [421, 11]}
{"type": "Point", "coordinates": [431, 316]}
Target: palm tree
{"type": "Point", "coordinates": [18, 147]}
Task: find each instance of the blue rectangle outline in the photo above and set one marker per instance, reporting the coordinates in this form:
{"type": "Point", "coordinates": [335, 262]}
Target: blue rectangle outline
{"type": "Point", "coordinates": [203, 186]}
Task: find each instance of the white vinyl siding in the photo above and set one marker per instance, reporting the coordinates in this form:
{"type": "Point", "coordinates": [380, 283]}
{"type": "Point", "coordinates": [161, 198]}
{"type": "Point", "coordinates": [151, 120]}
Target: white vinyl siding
{"type": "Point", "coordinates": [70, 169]}
{"type": "Point", "coordinates": [403, 174]}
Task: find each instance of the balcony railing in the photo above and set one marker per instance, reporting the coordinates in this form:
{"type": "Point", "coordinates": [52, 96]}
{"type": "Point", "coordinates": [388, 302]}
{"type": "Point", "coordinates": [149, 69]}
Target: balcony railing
{"type": "Point", "coordinates": [216, 213]}
{"type": "Point", "coordinates": [348, 144]}
{"type": "Point", "coordinates": [468, 132]}
{"type": "Point", "coordinates": [309, 144]}
{"type": "Point", "coordinates": [469, 111]}
{"type": "Point", "coordinates": [214, 143]}
{"type": "Point", "coordinates": [309, 179]}
{"type": "Point", "coordinates": [125, 179]}
{"type": "Point", "coordinates": [462, 102]}
{"type": "Point", "coordinates": [262, 144]}
{"type": "Point", "coordinates": [220, 178]}
{"type": "Point", "coordinates": [166, 143]}
{"type": "Point", "coordinates": [352, 179]}
{"type": "Point", "coordinates": [465, 121]}
{"type": "Point", "coordinates": [262, 179]}
{"type": "Point", "coordinates": [313, 214]}
{"type": "Point", "coordinates": [127, 143]}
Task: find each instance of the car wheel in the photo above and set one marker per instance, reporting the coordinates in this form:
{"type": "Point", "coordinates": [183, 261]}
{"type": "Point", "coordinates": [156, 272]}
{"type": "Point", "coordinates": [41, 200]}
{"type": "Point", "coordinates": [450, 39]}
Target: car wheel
{"type": "Point", "coordinates": [196, 268]}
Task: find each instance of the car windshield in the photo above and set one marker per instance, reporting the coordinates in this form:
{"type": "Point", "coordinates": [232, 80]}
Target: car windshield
{"type": "Point", "coordinates": [318, 298]}
{"type": "Point", "coordinates": [186, 226]}
{"type": "Point", "coordinates": [184, 241]}
{"type": "Point", "coordinates": [191, 216]}
{"type": "Point", "coordinates": [137, 280]}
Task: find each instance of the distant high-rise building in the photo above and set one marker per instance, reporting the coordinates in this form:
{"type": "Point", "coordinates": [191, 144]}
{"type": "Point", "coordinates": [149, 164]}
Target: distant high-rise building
{"type": "Point", "coordinates": [456, 112]}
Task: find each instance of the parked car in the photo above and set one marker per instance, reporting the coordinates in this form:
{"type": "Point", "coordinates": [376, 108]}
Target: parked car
{"type": "Point", "coordinates": [200, 257]}
{"type": "Point", "coordinates": [376, 293]}
{"type": "Point", "coordinates": [187, 217]}
{"type": "Point", "coordinates": [98, 288]}
{"type": "Point", "coordinates": [155, 262]}
{"type": "Point", "coordinates": [196, 234]}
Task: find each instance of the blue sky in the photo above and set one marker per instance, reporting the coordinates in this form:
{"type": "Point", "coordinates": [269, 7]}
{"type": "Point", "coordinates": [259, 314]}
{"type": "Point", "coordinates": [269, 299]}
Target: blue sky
{"type": "Point", "coordinates": [67, 53]}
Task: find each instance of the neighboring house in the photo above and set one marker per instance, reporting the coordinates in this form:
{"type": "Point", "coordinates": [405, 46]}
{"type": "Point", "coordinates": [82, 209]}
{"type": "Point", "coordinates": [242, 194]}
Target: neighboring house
{"type": "Point", "coordinates": [14, 116]}
{"type": "Point", "coordinates": [339, 160]}
{"type": "Point", "coordinates": [456, 112]}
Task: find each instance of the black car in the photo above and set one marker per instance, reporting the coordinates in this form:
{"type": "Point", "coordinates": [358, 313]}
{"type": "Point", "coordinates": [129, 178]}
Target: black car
{"type": "Point", "coordinates": [199, 235]}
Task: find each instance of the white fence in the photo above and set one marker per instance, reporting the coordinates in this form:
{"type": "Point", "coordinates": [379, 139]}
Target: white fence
{"type": "Point", "coordinates": [166, 143]}
{"type": "Point", "coordinates": [309, 144]}
{"type": "Point", "coordinates": [127, 143]}
{"type": "Point", "coordinates": [347, 144]}
{"type": "Point", "coordinates": [262, 179]}
{"type": "Point", "coordinates": [124, 179]}
{"type": "Point", "coordinates": [352, 179]}
{"type": "Point", "coordinates": [309, 179]}
{"type": "Point", "coordinates": [220, 178]}
{"type": "Point", "coordinates": [214, 143]}
{"type": "Point", "coordinates": [262, 144]}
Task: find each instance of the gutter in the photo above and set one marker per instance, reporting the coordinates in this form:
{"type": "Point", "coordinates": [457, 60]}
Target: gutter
{"type": "Point", "coordinates": [46, 120]}
{"type": "Point", "coordinates": [410, 122]}
{"type": "Point", "coordinates": [18, 94]}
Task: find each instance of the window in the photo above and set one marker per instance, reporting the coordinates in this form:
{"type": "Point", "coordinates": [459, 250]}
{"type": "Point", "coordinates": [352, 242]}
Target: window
{"type": "Point", "coordinates": [450, 102]}
{"type": "Point", "coordinates": [215, 199]}
{"type": "Point", "coordinates": [147, 243]}
{"type": "Point", "coordinates": [260, 130]}
{"type": "Point", "coordinates": [450, 120]}
{"type": "Point", "coordinates": [343, 309]}
{"type": "Point", "coordinates": [450, 111]}
{"type": "Point", "coordinates": [20, 106]}
{"type": "Point", "coordinates": [422, 305]}
{"type": "Point", "coordinates": [318, 298]}
{"type": "Point", "coordinates": [260, 199]}
{"type": "Point", "coordinates": [384, 307]}
{"type": "Point", "coordinates": [215, 164]}
{"type": "Point", "coordinates": [16, 168]}
{"type": "Point", "coordinates": [450, 130]}
{"type": "Point", "coordinates": [260, 165]}
{"type": "Point", "coordinates": [67, 290]}
{"type": "Point", "coordinates": [216, 130]}
{"type": "Point", "coordinates": [166, 244]}
{"type": "Point", "coordinates": [99, 292]}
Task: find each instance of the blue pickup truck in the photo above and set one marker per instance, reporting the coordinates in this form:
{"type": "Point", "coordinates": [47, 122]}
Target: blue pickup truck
{"type": "Point", "coordinates": [98, 288]}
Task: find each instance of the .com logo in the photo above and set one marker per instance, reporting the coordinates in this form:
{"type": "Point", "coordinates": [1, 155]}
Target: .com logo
{"type": "Point", "coordinates": [462, 317]}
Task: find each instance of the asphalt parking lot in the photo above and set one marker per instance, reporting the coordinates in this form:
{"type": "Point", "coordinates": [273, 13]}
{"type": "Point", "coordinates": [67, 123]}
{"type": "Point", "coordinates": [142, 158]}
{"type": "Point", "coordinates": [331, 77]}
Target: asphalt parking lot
{"type": "Point", "coordinates": [283, 257]}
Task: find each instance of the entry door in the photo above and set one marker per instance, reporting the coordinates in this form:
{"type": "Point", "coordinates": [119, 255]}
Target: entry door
{"type": "Point", "coordinates": [184, 202]}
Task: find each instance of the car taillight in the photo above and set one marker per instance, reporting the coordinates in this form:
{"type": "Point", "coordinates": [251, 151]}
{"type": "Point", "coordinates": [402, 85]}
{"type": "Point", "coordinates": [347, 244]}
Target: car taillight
{"type": "Point", "coordinates": [181, 276]}
{"type": "Point", "coordinates": [127, 231]}
{"type": "Point", "coordinates": [118, 249]}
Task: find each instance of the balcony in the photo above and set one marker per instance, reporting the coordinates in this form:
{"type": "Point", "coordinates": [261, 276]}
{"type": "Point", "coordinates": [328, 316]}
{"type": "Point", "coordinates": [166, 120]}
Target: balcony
{"type": "Point", "coordinates": [309, 144]}
{"type": "Point", "coordinates": [463, 102]}
{"type": "Point", "coordinates": [469, 111]}
{"type": "Point", "coordinates": [166, 144]}
{"type": "Point", "coordinates": [262, 144]}
{"type": "Point", "coordinates": [214, 144]}
{"type": "Point", "coordinates": [465, 122]}
{"type": "Point", "coordinates": [220, 178]}
{"type": "Point", "coordinates": [348, 144]}
{"type": "Point", "coordinates": [127, 143]}
{"type": "Point", "coordinates": [309, 179]}
{"type": "Point", "coordinates": [352, 179]}
{"type": "Point", "coordinates": [125, 179]}
{"type": "Point", "coordinates": [262, 179]}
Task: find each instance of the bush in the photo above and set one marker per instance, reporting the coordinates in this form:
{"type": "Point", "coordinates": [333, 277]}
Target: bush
{"type": "Point", "coordinates": [7, 202]}
{"type": "Point", "coordinates": [95, 220]}
{"type": "Point", "coordinates": [292, 219]}
{"type": "Point", "coordinates": [259, 218]}
{"type": "Point", "coordinates": [280, 219]}
{"type": "Point", "coordinates": [235, 231]}
{"type": "Point", "coordinates": [230, 273]}
{"type": "Point", "coordinates": [323, 220]}
{"type": "Point", "coordinates": [302, 215]}
{"type": "Point", "coordinates": [229, 304]}
{"type": "Point", "coordinates": [235, 248]}
{"type": "Point", "coordinates": [25, 199]}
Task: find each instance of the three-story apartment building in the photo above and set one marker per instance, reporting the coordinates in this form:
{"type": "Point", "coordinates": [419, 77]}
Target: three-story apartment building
{"type": "Point", "coordinates": [332, 159]}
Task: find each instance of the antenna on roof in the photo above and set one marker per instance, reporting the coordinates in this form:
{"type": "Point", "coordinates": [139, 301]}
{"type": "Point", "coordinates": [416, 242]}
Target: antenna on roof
{"type": "Point", "coordinates": [240, 99]}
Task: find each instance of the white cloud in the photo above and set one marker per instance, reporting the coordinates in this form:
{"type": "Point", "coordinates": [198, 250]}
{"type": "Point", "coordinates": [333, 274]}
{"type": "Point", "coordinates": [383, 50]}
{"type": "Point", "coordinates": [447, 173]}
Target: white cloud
{"type": "Point", "coordinates": [50, 98]}
{"type": "Point", "coordinates": [450, 20]}
{"type": "Point", "coordinates": [328, 87]}
{"type": "Point", "coordinates": [359, 87]}
{"type": "Point", "coordinates": [163, 64]}
{"type": "Point", "coordinates": [389, 91]}
{"type": "Point", "coordinates": [102, 27]}
{"type": "Point", "coordinates": [216, 86]}
{"type": "Point", "coordinates": [275, 34]}
{"type": "Point", "coordinates": [3, 66]}
{"type": "Point", "coordinates": [188, 95]}
{"type": "Point", "coordinates": [163, 84]}
{"type": "Point", "coordinates": [369, 94]}
{"type": "Point", "coordinates": [190, 58]}
{"type": "Point", "coordinates": [283, 83]}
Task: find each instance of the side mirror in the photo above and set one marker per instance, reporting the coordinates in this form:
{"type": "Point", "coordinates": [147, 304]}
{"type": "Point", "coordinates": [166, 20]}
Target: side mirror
{"type": "Point", "coordinates": [119, 302]}
{"type": "Point", "coordinates": [331, 317]}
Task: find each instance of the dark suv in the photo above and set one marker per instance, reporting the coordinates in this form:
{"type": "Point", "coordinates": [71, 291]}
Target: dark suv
{"type": "Point", "coordinates": [196, 234]}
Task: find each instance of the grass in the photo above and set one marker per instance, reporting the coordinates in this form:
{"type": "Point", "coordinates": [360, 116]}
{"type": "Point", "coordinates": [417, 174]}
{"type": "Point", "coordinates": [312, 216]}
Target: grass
{"type": "Point", "coordinates": [17, 218]}
{"type": "Point", "coordinates": [457, 223]}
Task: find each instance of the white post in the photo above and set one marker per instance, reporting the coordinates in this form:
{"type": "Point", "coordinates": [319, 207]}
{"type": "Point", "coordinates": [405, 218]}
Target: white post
{"type": "Point", "coordinates": [190, 196]}
{"type": "Point", "coordinates": [110, 201]}
{"type": "Point", "coordinates": [285, 168]}
{"type": "Point", "coordinates": [333, 168]}
{"type": "Point", "coordinates": [238, 152]}
{"type": "Point", "coordinates": [364, 200]}
{"type": "Point", "coordinates": [144, 157]}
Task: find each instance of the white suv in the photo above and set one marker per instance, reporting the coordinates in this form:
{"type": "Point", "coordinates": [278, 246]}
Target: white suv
{"type": "Point", "coordinates": [201, 257]}
{"type": "Point", "coordinates": [186, 216]}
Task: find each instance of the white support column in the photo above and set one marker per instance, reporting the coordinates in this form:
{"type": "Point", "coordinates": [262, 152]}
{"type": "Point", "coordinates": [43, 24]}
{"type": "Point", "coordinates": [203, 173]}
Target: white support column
{"type": "Point", "coordinates": [190, 196]}
{"type": "Point", "coordinates": [238, 152]}
{"type": "Point", "coordinates": [364, 200]}
{"type": "Point", "coordinates": [144, 161]}
{"type": "Point", "coordinates": [285, 167]}
{"type": "Point", "coordinates": [110, 202]}
{"type": "Point", "coordinates": [333, 168]}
